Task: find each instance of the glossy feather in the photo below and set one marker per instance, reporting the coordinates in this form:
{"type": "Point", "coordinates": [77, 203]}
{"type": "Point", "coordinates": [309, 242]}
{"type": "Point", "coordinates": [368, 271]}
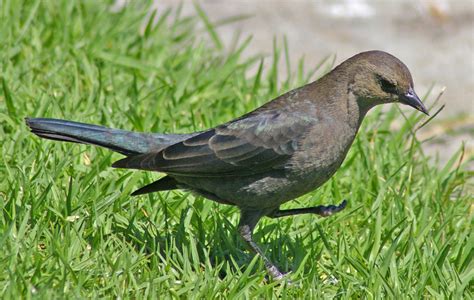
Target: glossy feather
{"type": "Point", "coordinates": [243, 147]}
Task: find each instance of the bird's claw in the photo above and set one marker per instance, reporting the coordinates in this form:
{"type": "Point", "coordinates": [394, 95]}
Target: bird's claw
{"type": "Point", "coordinates": [276, 275]}
{"type": "Point", "coordinates": [328, 210]}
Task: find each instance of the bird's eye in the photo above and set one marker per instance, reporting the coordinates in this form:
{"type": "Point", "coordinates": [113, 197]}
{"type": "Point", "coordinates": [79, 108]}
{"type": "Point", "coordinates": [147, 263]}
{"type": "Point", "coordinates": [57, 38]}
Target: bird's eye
{"type": "Point", "coordinates": [387, 86]}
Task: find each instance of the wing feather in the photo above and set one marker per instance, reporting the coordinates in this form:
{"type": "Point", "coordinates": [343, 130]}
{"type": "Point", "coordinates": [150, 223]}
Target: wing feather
{"type": "Point", "coordinates": [246, 146]}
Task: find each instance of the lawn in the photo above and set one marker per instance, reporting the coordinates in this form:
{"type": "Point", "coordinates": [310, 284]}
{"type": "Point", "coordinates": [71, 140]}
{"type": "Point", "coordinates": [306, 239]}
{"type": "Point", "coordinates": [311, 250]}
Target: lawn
{"type": "Point", "coordinates": [70, 229]}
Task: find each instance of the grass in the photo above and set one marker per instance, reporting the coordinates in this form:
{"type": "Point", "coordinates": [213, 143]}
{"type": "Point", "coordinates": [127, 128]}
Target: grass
{"type": "Point", "coordinates": [68, 227]}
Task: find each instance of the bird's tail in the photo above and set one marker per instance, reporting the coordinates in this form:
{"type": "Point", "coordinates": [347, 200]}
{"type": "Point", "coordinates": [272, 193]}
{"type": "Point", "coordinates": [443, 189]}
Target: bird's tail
{"type": "Point", "coordinates": [125, 142]}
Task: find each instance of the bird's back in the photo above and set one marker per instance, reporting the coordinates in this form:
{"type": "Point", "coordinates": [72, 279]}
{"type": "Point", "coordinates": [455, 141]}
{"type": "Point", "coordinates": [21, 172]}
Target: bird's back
{"type": "Point", "coordinates": [320, 146]}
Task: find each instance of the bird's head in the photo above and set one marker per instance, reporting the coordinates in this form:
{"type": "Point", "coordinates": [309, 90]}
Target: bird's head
{"type": "Point", "coordinates": [379, 77]}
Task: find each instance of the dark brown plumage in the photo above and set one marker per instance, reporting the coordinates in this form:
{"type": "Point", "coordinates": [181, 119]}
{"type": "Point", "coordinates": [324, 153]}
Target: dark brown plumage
{"type": "Point", "coordinates": [282, 150]}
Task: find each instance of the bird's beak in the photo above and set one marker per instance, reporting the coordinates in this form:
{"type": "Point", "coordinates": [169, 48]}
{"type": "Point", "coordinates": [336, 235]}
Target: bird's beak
{"type": "Point", "coordinates": [410, 98]}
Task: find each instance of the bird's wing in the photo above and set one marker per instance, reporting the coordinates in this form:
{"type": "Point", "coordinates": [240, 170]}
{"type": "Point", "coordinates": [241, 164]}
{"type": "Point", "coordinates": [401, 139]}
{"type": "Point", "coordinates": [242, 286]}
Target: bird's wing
{"type": "Point", "coordinates": [250, 145]}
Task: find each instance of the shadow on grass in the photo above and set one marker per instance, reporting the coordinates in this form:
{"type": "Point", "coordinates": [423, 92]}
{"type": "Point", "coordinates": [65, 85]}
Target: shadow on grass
{"type": "Point", "coordinates": [215, 243]}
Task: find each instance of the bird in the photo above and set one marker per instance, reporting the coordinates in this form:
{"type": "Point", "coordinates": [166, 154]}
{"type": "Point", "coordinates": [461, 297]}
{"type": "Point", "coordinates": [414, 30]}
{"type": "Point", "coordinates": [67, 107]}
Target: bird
{"type": "Point", "coordinates": [284, 149]}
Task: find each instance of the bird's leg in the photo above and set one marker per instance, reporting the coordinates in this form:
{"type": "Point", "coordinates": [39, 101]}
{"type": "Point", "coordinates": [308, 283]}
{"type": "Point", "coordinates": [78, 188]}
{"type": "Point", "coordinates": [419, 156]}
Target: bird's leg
{"type": "Point", "coordinates": [248, 220]}
{"type": "Point", "coordinates": [322, 210]}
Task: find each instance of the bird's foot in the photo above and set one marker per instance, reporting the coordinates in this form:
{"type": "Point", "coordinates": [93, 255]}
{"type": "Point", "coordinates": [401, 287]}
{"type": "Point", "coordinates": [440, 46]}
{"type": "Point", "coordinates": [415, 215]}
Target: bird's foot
{"type": "Point", "coordinates": [322, 210]}
{"type": "Point", "coordinates": [277, 275]}
{"type": "Point", "coordinates": [328, 210]}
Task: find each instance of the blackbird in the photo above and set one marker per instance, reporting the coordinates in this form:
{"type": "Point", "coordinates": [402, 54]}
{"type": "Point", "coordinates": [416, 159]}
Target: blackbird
{"type": "Point", "coordinates": [278, 152]}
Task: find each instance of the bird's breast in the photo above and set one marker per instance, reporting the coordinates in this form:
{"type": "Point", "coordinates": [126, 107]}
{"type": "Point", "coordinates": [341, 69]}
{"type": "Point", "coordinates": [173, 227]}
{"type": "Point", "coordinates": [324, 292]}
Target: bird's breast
{"type": "Point", "coordinates": [323, 149]}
